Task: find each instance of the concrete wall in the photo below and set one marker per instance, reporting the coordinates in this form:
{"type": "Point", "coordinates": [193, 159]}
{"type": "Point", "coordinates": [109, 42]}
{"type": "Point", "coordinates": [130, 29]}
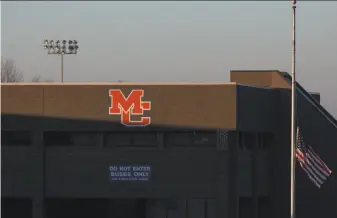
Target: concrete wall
{"type": "Point", "coordinates": [186, 105]}
{"type": "Point", "coordinates": [264, 78]}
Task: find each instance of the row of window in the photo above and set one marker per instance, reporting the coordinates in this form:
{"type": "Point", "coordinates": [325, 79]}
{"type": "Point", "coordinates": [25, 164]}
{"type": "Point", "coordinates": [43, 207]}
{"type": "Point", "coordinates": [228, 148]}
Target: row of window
{"type": "Point", "coordinates": [246, 141]}
{"type": "Point", "coordinates": [112, 139]}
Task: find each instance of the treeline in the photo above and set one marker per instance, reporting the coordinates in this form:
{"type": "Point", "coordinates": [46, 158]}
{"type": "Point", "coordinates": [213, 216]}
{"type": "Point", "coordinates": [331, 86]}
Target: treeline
{"type": "Point", "coordinates": [11, 74]}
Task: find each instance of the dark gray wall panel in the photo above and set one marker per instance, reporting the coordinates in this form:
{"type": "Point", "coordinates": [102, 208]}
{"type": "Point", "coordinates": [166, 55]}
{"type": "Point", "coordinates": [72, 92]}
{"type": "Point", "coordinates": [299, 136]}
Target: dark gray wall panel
{"type": "Point", "coordinates": [245, 173]}
{"type": "Point", "coordinates": [255, 112]}
{"type": "Point", "coordinates": [85, 173]}
{"type": "Point", "coordinates": [211, 208]}
{"type": "Point", "coordinates": [18, 171]}
{"type": "Point", "coordinates": [263, 172]}
{"type": "Point", "coordinates": [156, 208]}
{"type": "Point", "coordinates": [196, 208]}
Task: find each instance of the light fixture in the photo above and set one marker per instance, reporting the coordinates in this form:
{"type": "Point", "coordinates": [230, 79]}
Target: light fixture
{"type": "Point", "coordinates": [64, 49]}
{"type": "Point", "coordinates": [45, 44]}
{"type": "Point", "coordinates": [57, 48]}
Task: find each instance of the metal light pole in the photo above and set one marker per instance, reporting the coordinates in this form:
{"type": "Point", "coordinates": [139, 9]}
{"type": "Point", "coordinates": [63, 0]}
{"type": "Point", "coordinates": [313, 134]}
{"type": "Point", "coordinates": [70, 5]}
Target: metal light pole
{"type": "Point", "coordinates": [56, 48]}
{"type": "Point", "coordinates": [293, 119]}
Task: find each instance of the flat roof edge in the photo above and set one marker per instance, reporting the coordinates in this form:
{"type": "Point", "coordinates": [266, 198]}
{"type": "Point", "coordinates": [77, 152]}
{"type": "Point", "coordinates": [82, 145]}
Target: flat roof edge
{"type": "Point", "coordinates": [119, 84]}
{"type": "Point", "coordinates": [255, 71]}
{"type": "Point", "coordinates": [252, 86]}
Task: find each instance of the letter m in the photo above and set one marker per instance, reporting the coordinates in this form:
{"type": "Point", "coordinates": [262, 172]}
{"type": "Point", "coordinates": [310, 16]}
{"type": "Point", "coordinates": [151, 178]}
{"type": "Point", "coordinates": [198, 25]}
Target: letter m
{"type": "Point", "coordinates": [132, 104]}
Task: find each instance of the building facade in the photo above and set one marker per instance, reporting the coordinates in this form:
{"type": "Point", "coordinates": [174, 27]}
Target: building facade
{"type": "Point", "coordinates": [211, 150]}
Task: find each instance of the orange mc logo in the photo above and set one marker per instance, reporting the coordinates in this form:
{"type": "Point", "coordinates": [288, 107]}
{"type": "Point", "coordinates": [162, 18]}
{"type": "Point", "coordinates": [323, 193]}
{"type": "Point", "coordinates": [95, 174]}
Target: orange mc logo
{"type": "Point", "coordinates": [127, 106]}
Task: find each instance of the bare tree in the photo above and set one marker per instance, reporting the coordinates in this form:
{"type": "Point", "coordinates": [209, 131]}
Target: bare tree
{"type": "Point", "coordinates": [38, 79]}
{"type": "Point", "coordinates": [9, 73]}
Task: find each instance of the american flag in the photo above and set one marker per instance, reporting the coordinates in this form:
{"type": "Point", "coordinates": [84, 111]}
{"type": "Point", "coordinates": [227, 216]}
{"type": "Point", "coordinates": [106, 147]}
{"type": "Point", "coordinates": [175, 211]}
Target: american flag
{"type": "Point", "coordinates": [310, 162]}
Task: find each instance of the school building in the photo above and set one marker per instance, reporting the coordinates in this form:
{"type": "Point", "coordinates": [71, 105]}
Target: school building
{"type": "Point", "coordinates": [135, 150]}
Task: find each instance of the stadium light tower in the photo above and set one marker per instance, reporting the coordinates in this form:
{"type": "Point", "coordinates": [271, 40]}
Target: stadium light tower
{"type": "Point", "coordinates": [56, 48]}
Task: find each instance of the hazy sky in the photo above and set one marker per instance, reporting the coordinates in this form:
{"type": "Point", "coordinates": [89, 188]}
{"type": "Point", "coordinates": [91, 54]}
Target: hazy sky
{"type": "Point", "coordinates": [174, 41]}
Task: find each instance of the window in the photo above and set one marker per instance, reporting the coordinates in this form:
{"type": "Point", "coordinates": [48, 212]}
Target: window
{"type": "Point", "coordinates": [85, 139]}
{"type": "Point", "coordinates": [16, 138]}
{"type": "Point", "coordinates": [265, 141]}
{"type": "Point", "coordinates": [178, 139]}
{"type": "Point", "coordinates": [131, 139]}
{"type": "Point", "coordinates": [118, 139]}
{"type": "Point", "coordinates": [145, 139]}
{"type": "Point", "coordinates": [247, 140]}
{"type": "Point", "coordinates": [191, 139]}
{"type": "Point", "coordinates": [71, 138]}
{"type": "Point", "coordinates": [250, 141]}
{"type": "Point", "coordinates": [205, 138]}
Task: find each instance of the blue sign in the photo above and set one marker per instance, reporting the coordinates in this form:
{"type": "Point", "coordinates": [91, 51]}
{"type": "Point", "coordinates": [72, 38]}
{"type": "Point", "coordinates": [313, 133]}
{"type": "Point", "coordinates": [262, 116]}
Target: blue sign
{"type": "Point", "coordinates": [130, 172]}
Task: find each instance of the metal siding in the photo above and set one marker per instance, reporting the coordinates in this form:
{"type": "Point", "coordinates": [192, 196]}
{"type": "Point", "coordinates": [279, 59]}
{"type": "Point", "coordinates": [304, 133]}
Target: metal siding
{"type": "Point", "coordinates": [211, 208]}
{"type": "Point", "coordinates": [263, 173]}
{"type": "Point", "coordinates": [196, 208]}
{"type": "Point", "coordinates": [322, 136]}
{"type": "Point", "coordinates": [280, 157]}
{"type": "Point", "coordinates": [156, 208]}
{"type": "Point", "coordinates": [85, 173]}
{"type": "Point", "coordinates": [255, 109]}
{"type": "Point", "coordinates": [245, 173]}
{"type": "Point", "coordinates": [19, 173]}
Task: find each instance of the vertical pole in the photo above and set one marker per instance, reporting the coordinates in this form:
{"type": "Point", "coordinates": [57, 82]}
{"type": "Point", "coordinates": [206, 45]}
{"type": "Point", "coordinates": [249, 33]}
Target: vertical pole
{"type": "Point", "coordinates": [62, 67]}
{"type": "Point", "coordinates": [293, 120]}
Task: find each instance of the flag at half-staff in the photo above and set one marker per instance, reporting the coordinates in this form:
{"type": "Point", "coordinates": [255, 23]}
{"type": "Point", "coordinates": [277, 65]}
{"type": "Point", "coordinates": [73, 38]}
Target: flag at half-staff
{"type": "Point", "coordinates": [310, 162]}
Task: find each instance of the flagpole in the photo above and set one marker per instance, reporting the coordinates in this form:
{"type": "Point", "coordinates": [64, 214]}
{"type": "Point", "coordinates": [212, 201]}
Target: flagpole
{"type": "Point", "coordinates": [293, 119]}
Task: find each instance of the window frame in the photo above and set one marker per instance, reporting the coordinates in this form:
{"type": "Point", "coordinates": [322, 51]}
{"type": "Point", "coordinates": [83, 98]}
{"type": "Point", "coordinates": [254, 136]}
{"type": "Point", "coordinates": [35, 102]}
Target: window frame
{"type": "Point", "coordinates": [30, 138]}
{"type": "Point", "coordinates": [191, 140]}
{"type": "Point", "coordinates": [132, 145]}
{"type": "Point", "coordinates": [70, 134]}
